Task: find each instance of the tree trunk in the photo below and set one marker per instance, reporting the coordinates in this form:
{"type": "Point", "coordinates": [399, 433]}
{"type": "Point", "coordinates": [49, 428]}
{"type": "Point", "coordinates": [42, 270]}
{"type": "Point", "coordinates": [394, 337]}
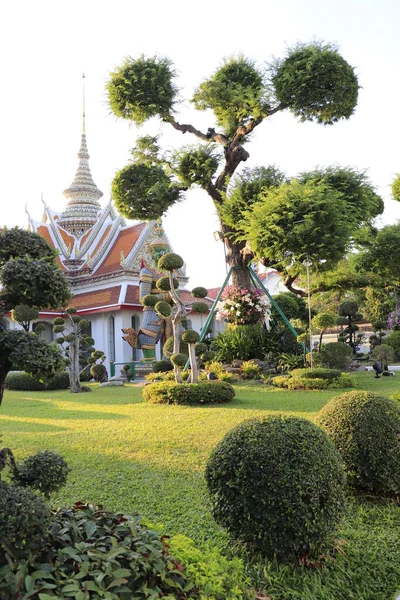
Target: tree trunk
{"type": "Point", "coordinates": [74, 367]}
{"type": "Point", "coordinates": [237, 259]}
{"type": "Point", "coordinates": [193, 364]}
{"type": "Point", "coordinates": [5, 367]}
{"type": "Point", "coordinates": [320, 340]}
{"type": "Point", "coordinates": [179, 315]}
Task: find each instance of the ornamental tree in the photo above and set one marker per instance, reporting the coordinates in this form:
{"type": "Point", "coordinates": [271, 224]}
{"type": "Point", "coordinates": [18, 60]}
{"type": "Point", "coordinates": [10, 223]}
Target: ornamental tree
{"type": "Point", "coordinates": [322, 322]}
{"type": "Point", "coordinates": [312, 81]}
{"type": "Point", "coordinates": [29, 276]}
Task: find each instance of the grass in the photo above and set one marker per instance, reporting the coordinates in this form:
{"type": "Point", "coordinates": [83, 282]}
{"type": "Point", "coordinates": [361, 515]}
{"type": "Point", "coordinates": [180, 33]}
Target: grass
{"type": "Point", "coordinates": [150, 459]}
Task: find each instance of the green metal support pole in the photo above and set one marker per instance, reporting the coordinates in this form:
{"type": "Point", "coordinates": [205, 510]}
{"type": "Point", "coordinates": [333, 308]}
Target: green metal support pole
{"type": "Point", "coordinates": [112, 369]}
{"type": "Point", "coordinates": [260, 285]}
{"type": "Point", "coordinates": [211, 313]}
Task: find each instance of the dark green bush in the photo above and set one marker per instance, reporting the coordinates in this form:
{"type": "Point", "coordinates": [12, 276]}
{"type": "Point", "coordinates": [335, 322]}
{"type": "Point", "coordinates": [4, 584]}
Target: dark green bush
{"type": "Point", "coordinates": [336, 355]}
{"type": "Point", "coordinates": [243, 342]}
{"type": "Point", "coordinates": [168, 347]}
{"type": "Point", "coordinates": [190, 336]}
{"type": "Point", "coordinates": [329, 374]}
{"type": "Point", "coordinates": [200, 307]}
{"type": "Point", "coordinates": [163, 284]}
{"type": "Point", "coordinates": [98, 372]}
{"type": "Point", "coordinates": [97, 554]}
{"type": "Point", "coordinates": [200, 348]}
{"type": "Point", "coordinates": [278, 485]}
{"type": "Point", "coordinates": [60, 381]}
{"type": "Point", "coordinates": [179, 359]}
{"type": "Point", "coordinates": [306, 383]}
{"type": "Point", "coordinates": [24, 523]}
{"type": "Point", "coordinates": [162, 366]}
{"type": "Point", "coordinates": [163, 308]}
{"type": "Point", "coordinates": [365, 428]}
{"type": "Point", "coordinates": [85, 376]}
{"type": "Point", "coordinates": [45, 471]}
{"type": "Point", "coordinates": [149, 300]}
{"type": "Point", "coordinates": [207, 392]}
{"type": "Point", "coordinates": [170, 262]}
{"type": "Point", "coordinates": [393, 340]}
{"type": "Point", "coordinates": [20, 381]}
{"type": "Point", "coordinates": [199, 292]}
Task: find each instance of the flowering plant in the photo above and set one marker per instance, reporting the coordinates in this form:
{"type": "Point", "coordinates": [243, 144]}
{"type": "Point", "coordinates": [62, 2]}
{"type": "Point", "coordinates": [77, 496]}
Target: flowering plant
{"type": "Point", "coordinates": [242, 306]}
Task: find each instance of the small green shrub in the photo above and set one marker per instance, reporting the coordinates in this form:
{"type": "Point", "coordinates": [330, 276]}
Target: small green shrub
{"type": "Point", "coordinates": [24, 523]}
{"type": "Point", "coordinates": [250, 370]}
{"type": "Point", "coordinates": [207, 392]}
{"type": "Point", "coordinates": [243, 342]}
{"type": "Point", "coordinates": [163, 284]}
{"type": "Point", "coordinates": [365, 428]}
{"type": "Point", "coordinates": [149, 300]}
{"type": "Point", "coordinates": [98, 372]}
{"type": "Point", "coordinates": [162, 366]}
{"type": "Point", "coordinates": [168, 347]}
{"type": "Point", "coordinates": [278, 485]}
{"type": "Point", "coordinates": [170, 262]}
{"type": "Point", "coordinates": [200, 307]}
{"type": "Point", "coordinates": [280, 381]}
{"type": "Point", "coordinates": [329, 374]}
{"type": "Point", "coordinates": [45, 471]}
{"type": "Point", "coordinates": [199, 292]}
{"type": "Point", "coordinates": [393, 340]}
{"type": "Point", "coordinates": [218, 369]}
{"type": "Point", "coordinates": [179, 359]}
{"type": "Point", "coordinates": [98, 554]}
{"type": "Point", "coordinates": [20, 381]}
{"type": "Point", "coordinates": [60, 381]}
{"type": "Point", "coordinates": [306, 383]}
{"type": "Point", "coordinates": [190, 336]}
{"type": "Point", "coordinates": [336, 355]}
{"type": "Point", "coordinates": [163, 309]}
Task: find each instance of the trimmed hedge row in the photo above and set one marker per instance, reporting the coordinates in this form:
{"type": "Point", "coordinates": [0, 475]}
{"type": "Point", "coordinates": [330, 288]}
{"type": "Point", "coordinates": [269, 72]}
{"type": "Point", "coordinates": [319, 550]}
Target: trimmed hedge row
{"type": "Point", "coordinates": [207, 392]}
{"type": "Point", "coordinates": [21, 381]}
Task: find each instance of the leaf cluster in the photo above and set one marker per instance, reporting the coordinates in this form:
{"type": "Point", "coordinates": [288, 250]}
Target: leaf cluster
{"type": "Point", "coordinates": [196, 165]}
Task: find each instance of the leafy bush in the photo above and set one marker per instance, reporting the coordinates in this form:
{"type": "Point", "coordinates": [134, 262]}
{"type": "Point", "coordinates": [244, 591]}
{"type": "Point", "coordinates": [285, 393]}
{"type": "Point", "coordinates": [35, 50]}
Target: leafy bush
{"type": "Point", "coordinates": [60, 381]}
{"type": "Point", "coordinates": [329, 374]}
{"type": "Point", "coordinates": [365, 428]}
{"type": "Point", "coordinates": [98, 372]}
{"type": "Point", "coordinates": [98, 554]}
{"type": "Point", "coordinates": [207, 392]}
{"type": "Point", "coordinates": [24, 523]}
{"type": "Point", "coordinates": [336, 355]}
{"type": "Point", "coordinates": [21, 381]}
{"type": "Point", "coordinates": [162, 366]}
{"type": "Point", "coordinates": [383, 354]}
{"type": "Point", "coordinates": [278, 485]}
{"type": "Point", "coordinates": [250, 370]}
{"type": "Point", "coordinates": [217, 577]}
{"type": "Point", "coordinates": [280, 381]}
{"type": "Point", "coordinates": [306, 383]}
{"type": "Point", "coordinates": [218, 369]}
{"type": "Point", "coordinates": [45, 471]}
{"type": "Point", "coordinates": [287, 362]}
{"type": "Point", "coordinates": [199, 292]}
{"type": "Point", "coordinates": [243, 342]}
{"type": "Point", "coordinates": [393, 340]}
{"type": "Point", "coordinates": [170, 262]}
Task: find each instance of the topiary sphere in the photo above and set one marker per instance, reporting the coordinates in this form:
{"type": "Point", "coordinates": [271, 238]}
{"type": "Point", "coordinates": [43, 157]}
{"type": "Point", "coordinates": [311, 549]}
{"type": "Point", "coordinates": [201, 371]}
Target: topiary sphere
{"type": "Point", "coordinates": [207, 356]}
{"type": "Point", "coordinates": [24, 522]}
{"type": "Point", "coordinates": [200, 348]}
{"type": "Point", "coordinates": [97, 354]}
{"type": "Point", "coordinates": [45, 471]}
{"type": "Point", "coordinates": [200, 307]}
{"type": "Point", "coordinates": [90, 341]}
{"type": "Point", "coordinates": [163, 284]}
{"type": "Point", "coordinates": [179, 359]}
{"type": "Point", "coordinates": [98, 372]}
{"type": "Point", "coordinates": [58, 328]}
{"type": "Point", "coordinates": [316, 84]}
{"type": "Point", "coordinates": [39, 327]}
{"type": "Point", "coordinates": [199, 292]}
{"type": "Point", "coordinates": [58, 321]}
{"type": "Point", "coordinates": [365, 428]}
{"type": "Point", "coordinates": [70, 337]}
{"type": "Point", "coordinates": [76, 318]}
{"type": "Point", "coordinates": [59, 340]}
{"type": "Point", "coordinates": [277, 484]}
{"type": "Point", "coordinates": [149, 300]}
{"type": "Point", "coordinates": [84, 324]}
{"type": "Point", "coordinates": [170, 262]}
{"type": "Point", "coordinates": [163, 309]}
{"type": "Point", "coordinates": [190, 336]}
{"type": "Point", "coordinates": [168, 347]}
{"type": "Point", "coordinates": [71, 310]}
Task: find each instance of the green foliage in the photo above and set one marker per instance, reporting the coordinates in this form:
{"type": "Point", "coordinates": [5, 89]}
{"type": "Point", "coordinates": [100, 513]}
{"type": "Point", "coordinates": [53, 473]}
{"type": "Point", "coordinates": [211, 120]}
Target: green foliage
{"type": "Point", "coordinates": [190, 336]}
{"type": "Point", "coordinates": [306, 383]}
{"type": "Point", "coordinates": [243, 342]}
{"type": "Point", "coordinates": [393, 340]}
{"type": "Point", "coordinates": [380, 255]}
{"type": "Point", "coordinates": [235, 92]}
{"type": "Point", "coordinates": [316, 83]}
{"type": "Point", "coordinates": [280, 381]}
{"type": "Point", "coordinates": [200, 348]}
{"type": "Point", "coordinates": [336, 355]}
{"type": "Point", "coordinates": [178, 359]}
{"type": "Point", "coordinates": [288, 361]}
{"type": "Point", "coordinates": [217, 577]}
{"type": "Point", "coordinates": [168, 347]}
{"type": "Point", "coordinates": [60, 381]}
{"type": "Point", "coordinates": [163, 284]}
{"type": "Point", "coordinates": [199, 292]}
{"type": "Point", "coordinates": [163, 309]}
{"type": "Point", "coordinates": [207, 392]}
{"type": "Point", "coordinates": [207, 356]}
{"type": "Point", "coordinates": [24, 314]}
{"type": "Point", "coordinates": [245, 191]}
{"type": "Point", "coordinates": [365, 428]}
{"type": "Point", "coordinates": [250, 370]}
{"type": "Point", "coordinates": [19, 380]}
{"type": "Point", "coordinates": [396, 188]}
{"type": "Point", "coordinates": [170, 262]}
{"type": "Point", "coordinates": [323, 320]}
{"type": "Point", "coordinates": [321, 234]}
{"type": "Point", "coordinates": [384, 354]}
{"type": "Point", "coordinates": [149, 300]}
{"type": "Point", "coordinates": [348, 308]}
{"type": "Point", "coordinates": [292, 306]}
{"type": "Point", "coordinates": [143, 192]}
{"type": "Point", "coordinates": [71, 310]}
{"type": "Point", "coordinates": [196, 165]}
{"type": "Point", "coordinates": [99, 554]}
{"type": "Point", "coordinates": [45, 472]}
{"type": "Point", "coordinates": [24, 523]}
{"type": "Point", "coordinates": [162, 366]}
{"type": "Point", "coordinates": [83, 323]}
{"type": "Point", "coordinates": [58, 321]}
{"type": "Point", "coordinates": [218, 370]}
{"type": "Point", "coordinates": [18, 242]}
{"type": "Point", "coordinates": [200, 307]}
{"type": "Point", "coordinates": [98, 372]}
{"type": "Point", "coordinates": [59, 328]}
{"type": "Point", "coordinates": [314, 379]}
{"type": "Point", "coordinates": [328, 374]}
{"type": "Point", "coordinates": [277, 484]}
{"type": "Point", "coordinates": [142, 88]}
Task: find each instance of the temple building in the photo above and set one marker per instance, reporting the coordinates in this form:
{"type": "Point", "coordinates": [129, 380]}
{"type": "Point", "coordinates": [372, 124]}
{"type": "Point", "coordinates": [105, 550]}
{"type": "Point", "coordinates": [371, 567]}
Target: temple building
{"type": "Point", "coordinates": [102, 257]}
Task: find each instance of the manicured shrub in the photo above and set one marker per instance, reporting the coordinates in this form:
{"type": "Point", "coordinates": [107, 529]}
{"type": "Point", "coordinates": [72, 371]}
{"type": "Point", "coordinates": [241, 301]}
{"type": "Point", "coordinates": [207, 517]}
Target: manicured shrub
{"type": "Point", "coordinates": [336, 355]}
{"type": "Point", "coordinates": [168, 347]}
{"type": "Point", "coordinates": [365, 428]}
{"type": "Point", "coordinates": [149, 300]}
{"type": "Point", "coordinates": [179, 359]}
{"type": "Point", "coordinates": [278, 485]}
{"type": "Point", "coordinates": [200, 348]}
{"type": "Point", "coordinates": [200, 307]}
{"type": "Point", "coordinates": [60, 381]}
{"type": "Point", "coordinates": [163, 308]}
{"type": "Point", "coordinates": [24, 523]}
{"type": "Point", "coordinates": [250, 370]}
{"type": "Point", "coordinates": [98, 372]}
{"type": "Point", "coordinates": [163, 284]}
{"type": "Point", "coordinates": [329, 374]}
{"type": "Point", "coordinates": [190, 336]}
{"type": "Point", "coordinates": [199, 292]}
{"type": "Point", "coordinates": [207, 392]}
{"type": "Point", "coordinates": [306, 383]}
{"type": "Point", "coordinates": [98, 554]}
{"type": "Point", "coordinates": [281, 381]}
{"type": "Point", "coordinates": [170, 262]}
{"type": "Point", "coordinates": [162, 366]}
{"type": "Point", "coordinates": [45, 471]}
{"type": "Point", "coordinates": [20, 381]}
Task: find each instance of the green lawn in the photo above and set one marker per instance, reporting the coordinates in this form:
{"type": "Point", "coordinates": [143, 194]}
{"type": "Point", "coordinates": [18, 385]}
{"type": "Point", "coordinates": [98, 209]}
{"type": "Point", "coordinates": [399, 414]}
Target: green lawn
{"type": "Point", "coordinates": [150, 459]}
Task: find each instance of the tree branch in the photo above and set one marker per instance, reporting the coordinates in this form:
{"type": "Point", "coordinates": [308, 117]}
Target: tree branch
{"type": "Point", "coordinates": [211, 134]}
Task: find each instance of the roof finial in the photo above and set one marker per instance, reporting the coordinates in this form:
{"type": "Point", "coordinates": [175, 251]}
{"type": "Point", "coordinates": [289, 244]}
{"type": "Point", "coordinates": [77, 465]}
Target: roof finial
{"type": "Point", "coordinates": [83, 104]}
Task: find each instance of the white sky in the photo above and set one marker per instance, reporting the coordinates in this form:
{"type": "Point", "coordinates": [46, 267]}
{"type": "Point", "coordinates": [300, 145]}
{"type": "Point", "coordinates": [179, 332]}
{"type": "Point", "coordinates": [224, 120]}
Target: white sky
{"type": "Point", "coordinates": [45, 46]}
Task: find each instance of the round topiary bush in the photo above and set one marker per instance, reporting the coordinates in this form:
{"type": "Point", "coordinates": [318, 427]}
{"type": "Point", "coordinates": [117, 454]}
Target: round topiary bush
{"type": "Point", "coordinates": [179, 359]}
{"type": "Point", "coordinates": [170, 262]}
{"type": "Point", "coordinates": [190, 336]}
{"type": "Point", "coordinates": [24, 522]}
{"type": "Point", "coordinates": [168, 347]}
{"type": "Point", "coordinates": [149, 300]}
{"type": "Point", "coordinates": [60, 381]}
{"type": "Point", "coordinates": [365, 428]}
{"type": "Point", "coordinates": [98, 372]}
{"type": "Point", "coordinates": [163, 308]}
{"type": "Point", "coordinates": [278, 485]}
{"type": "Point", "coordinates": [336, 355]}
{"type": "Point", "coordinates": [200, 348]}
{"type": "Point", "coordinates": [207, 392]}
{"type": "Point", "coordinates": [163, 284]}
{"type": "Point", "coordinates": [21, 381]}
{"type": "Point", "coordinates": [200, 307]}
{"type": "Point", "coordinates": [45, 471]}
{"type": "Point", "coordinates": [199, 292]}
{"type": "Point", "coordinates": [162, 366]}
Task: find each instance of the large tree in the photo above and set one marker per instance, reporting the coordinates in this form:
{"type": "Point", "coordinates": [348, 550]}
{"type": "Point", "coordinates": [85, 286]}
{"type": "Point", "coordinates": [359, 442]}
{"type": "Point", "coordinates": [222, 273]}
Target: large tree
{"type": "Point", "coordinates": [30, 277]}
{"type": "Point", "coordinates": [312, 81]}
